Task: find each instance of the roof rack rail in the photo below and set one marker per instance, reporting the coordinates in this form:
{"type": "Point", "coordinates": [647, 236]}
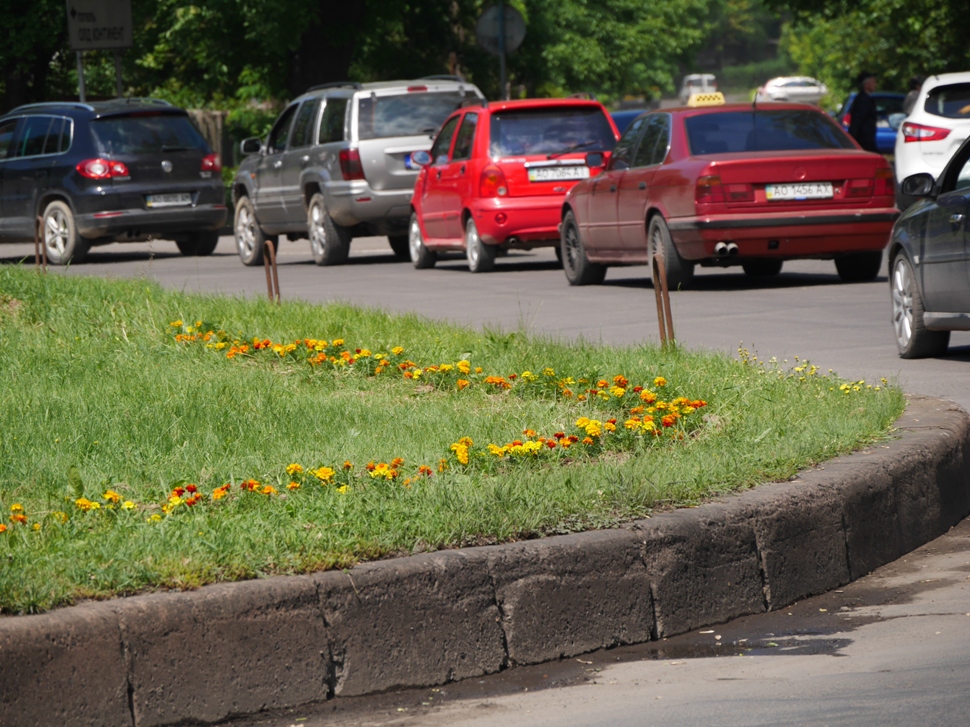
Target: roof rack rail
{"type": "Point", "coordinates": [49, 104]}
{"type": "Point", "coordinates": [442, 77]}
{"type": "Point", "coordinates": [336, 84]}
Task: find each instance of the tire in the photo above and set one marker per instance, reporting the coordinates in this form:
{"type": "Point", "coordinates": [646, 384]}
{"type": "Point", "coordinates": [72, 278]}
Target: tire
{"type": "Point", "coordinates": [250, 238]}
{"type": "Point", "coordinates": [421, 257]}
{"type": "Point", "coordinates": [62, 241]}
{"type": "Point", "coordinates": [762, 268]}
{"type": "Point", "coordinates": [481, 257]}
{"type": "Point", "coordinates": [579, 270]}
{"type": "Point", "coordinates": [859, 267]}
{"type": "Point", "coordinates": [912, 338]}
{"type": "Point", "coordinates": [198, 244]}
{"type": "Point", "coordinates": [329, 242]}
{"type": "Point", "coordinates": [558, 249]}
{"type": "Point", "coordinates": [399, 244]}
{"type": "Point", "coordinates": [680, 272]}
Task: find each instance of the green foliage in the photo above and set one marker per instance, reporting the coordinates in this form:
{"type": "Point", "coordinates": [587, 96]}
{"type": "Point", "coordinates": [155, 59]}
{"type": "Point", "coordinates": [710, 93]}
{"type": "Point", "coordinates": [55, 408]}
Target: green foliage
{"type": "Point", "coordinates": [752, 75]}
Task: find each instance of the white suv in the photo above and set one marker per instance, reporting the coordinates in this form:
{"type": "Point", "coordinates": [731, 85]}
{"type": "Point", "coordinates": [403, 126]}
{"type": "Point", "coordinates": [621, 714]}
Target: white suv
{"type": "Point", "coordinates": [935, 128]}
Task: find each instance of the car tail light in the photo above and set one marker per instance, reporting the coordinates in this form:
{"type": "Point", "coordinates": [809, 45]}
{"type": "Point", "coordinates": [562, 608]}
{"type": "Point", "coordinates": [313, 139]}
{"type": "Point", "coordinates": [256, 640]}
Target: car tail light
{"type": "Point", "coordinates": [847, 120]}
{"type": "Point", "coordinates": [709, 190]}
{"type": "Point", "coordinates": [411, 89]}
{"type": "Point", "coordinates": [859, 188]}
{"type": "Point", "coordinates": [350, 165]}
{"type": "Point", "coordinates": [919, 132]}
{"type": "Point", "coordinates": [885, 182]}
{"type": "Point", "coordinates": [211, 163]}
{"type": "Point", "coordinates": [492, 182]}
{"type": "Point", "coordinates": [102, 169]}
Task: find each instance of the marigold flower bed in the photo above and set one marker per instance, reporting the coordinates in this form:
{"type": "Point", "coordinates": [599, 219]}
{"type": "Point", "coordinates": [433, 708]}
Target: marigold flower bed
{"type": "Point", "coordinates": [143, 454]}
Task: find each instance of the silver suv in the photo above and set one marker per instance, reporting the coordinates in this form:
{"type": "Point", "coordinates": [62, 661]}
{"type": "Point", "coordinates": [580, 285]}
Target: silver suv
{"type": "Point", "coordinates": [337, 164]}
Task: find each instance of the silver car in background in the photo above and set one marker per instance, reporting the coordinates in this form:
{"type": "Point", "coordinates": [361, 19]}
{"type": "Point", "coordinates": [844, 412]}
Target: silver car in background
{"type": "Point", "coordinates": [337, 164]}
{"type": "Point", "coordinates": [792, 89]}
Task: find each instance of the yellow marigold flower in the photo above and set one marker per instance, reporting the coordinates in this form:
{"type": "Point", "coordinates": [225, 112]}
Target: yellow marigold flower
{"type": "Point", "coordinates": [461, 451]}
{"type": "Point", "coordinates": [581, 397]}
{"type": "Point", "coordinates": [176, 324]}
{"type": "Point", "coordinates": [16, 507]}
{"type": "Point", "coordinates": [594, 427]}
{"type": "Point", "coordinates": [617, 391]}
{"type": "Point", "coordinates": [324, 474]}
{"type": "Point", "coordinates": [128, 505]}
{"type": "Point", "coordinates": [84, 504]}
{"type": "Point", "coordinates": [496, 450]}
{"type": "Point", "coordinates": [648, 425]}
{"type": "Point", "coordinates": [293, 486]}
{"type": "Point", "coordinates": [269, 490]}
{"type": "Point", "coordinates": [660, 381]}
{"type": "Point", "coordinates": [582, 422]}
{"type": "Point", "coordinates": [294, 469]}
{"type": "Point", "coordinates": [112, 497]}
{"type": "Point", "coordinates": [363, 353]}
{"type": "Point", "coordinates": [397, 350]}
{"type": "Point", "coordinates": [155, 518]}
{"type": "Point", "coordinates": [648, 396]}
{"type": "Point", "coordinates": [478, 369]}
{"type": "Point", "coordinates": [548, 371]}
{"type": "Point", "coordinates": [343, 489]}
{"type": "Point", "coordinates": [36, 526]}
{"type": "Point", "coordinates": [632, 423]}
{"type": "Point", "coordinates": [609, 426]}
{"type": "Point", "coordinates": [337, 342]}
{"type": "Point", "coordinates": [61, 517]}
{"type": "Point", "coordinates": [529, 376]}
{"type": "Point", "coordinates": [446, 368]}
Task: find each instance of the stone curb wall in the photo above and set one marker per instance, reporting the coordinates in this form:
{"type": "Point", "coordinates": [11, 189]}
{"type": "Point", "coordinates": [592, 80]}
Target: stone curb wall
{"type": "Point", "coordinates": [239, 648]}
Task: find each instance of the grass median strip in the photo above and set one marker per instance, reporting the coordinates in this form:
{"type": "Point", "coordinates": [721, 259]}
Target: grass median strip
{"type": "Point", "coordinates": [160, 440]}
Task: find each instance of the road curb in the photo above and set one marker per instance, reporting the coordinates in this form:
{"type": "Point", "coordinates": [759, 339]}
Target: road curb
{"type": "Point", "coordinates": [239, 648]}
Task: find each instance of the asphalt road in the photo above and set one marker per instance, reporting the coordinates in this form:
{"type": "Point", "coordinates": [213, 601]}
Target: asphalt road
{"type": "Point", "coordinates": [891, 649]}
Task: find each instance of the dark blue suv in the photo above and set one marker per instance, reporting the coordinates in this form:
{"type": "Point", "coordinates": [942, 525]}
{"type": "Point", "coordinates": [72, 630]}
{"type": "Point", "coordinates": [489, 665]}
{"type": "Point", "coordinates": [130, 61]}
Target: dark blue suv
{"type": "Point", "coordinates": [111, 171]}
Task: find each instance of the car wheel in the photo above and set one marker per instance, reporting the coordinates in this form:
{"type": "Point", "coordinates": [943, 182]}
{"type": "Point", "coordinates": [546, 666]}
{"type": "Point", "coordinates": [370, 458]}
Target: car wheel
{"type": "Point", "coordinates": [329, 242]}
{"type": "Point", "coordinates": [198, 244]}
{"type": "Point", "coordinates": [250, 238]}
{"type": "Point", "coordinates": [62, 242]}
{"type": "Point", "coordinates": [859, 267]}
{"type": "Point", "coordinates": [400, 245]}
{"type": "Point", "coordinates": [481, 257]}
{"type": "Point", "coordinates": [421, 256]}
{"type": "Point", "coordinates": [579, 270]}
{"type": "Point", "coordinates": [912, 337]}
{"type": "Point", "coordinates": [680, 272]}
{"type": "Point", "coordinates": [761, 268]}
{"type": "Point", "coordinates": [558, 249]}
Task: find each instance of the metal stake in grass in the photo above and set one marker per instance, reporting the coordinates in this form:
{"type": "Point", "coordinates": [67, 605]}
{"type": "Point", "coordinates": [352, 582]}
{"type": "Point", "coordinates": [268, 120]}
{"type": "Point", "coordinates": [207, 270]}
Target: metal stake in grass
{"type": "Point", "coordinates": [664, 316]}
{"type": "Point", "coordinates": [272, 278]}
{"type": "Point", "coordinates": [40, 249]}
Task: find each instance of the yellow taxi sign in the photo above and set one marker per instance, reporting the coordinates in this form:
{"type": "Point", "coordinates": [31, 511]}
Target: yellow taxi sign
{"type": "Point", "coordinates": [706, 99]}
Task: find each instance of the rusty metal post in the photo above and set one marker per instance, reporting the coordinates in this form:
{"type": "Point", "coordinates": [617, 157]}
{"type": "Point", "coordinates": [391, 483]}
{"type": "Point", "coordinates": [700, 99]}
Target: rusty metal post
{"type": "Point", "coordinates": [40, 248]}
{"type": "Point", "coordinates": [272, 278]}
{"type": "Point", "coordinates": [664, 317]}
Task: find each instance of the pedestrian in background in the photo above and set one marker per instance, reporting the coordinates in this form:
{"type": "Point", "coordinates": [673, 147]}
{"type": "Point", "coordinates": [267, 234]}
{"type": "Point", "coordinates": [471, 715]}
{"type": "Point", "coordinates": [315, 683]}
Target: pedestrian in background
{"type": "Point", "coordinates": [863, 114]}
{"type": "Point", "coordinates": [915, 84]}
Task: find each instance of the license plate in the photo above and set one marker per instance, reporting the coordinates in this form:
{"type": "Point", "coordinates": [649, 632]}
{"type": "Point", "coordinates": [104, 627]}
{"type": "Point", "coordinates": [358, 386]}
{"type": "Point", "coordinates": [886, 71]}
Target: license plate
{"type": "Point", "coordinates": [799, 190]}
{"type": "Point", "coordinates": [181, 199]}
{"type": "Point", "coordinates": [555, 174]}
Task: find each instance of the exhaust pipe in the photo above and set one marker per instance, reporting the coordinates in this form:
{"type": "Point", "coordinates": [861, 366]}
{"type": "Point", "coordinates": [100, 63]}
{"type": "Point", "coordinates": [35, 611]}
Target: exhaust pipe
{"type": "Point", "coordinates": [720, 249]}
{"type": "Point", "coordinates": [732, 249]}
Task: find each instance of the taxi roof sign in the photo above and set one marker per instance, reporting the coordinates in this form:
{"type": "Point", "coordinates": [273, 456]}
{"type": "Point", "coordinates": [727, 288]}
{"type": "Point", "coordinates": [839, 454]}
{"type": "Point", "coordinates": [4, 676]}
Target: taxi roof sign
{"type": "Point", "coordinates": [706, 99]}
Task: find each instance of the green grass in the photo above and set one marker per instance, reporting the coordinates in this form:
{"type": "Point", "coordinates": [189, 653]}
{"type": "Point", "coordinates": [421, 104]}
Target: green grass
{"type": "Point", "coordinates": [98, 396]}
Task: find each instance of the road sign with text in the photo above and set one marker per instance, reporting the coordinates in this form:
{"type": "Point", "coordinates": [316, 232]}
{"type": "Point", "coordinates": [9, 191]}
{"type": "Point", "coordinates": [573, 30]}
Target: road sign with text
{"type": "Point", "coordinates": [99, 24]}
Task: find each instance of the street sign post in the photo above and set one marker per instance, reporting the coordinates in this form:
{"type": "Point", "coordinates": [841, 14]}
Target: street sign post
{"type": "Point", "coordinates": [99, 25]}
{"type": "Point", "coordinates": [500, 30]}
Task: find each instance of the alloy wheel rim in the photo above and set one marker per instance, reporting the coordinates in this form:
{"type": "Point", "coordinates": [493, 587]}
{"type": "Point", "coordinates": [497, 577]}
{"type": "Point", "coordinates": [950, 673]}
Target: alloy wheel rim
{"type": "Point", "coordinates": [473, 252]}
{"type": "Point", "coordinates": [903, 303]}
{"type": "Point", "coordinates": [414, 240]}
{"type": "Point", "coordinates": [55, 232]}
{"type": "Point", "coordinates": [245, 233]}
{"type": "Point", "coordinates": [572, 247]}
{"type": "Point", "coordinates": [318, 233]}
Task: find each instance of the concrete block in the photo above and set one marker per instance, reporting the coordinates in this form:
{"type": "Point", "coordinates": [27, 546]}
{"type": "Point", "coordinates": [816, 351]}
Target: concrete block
{"type": "Point", "coordinates": [567, 595]}
{"type": "Point", "coordinates": [225, 649]}
{"type": "Point", "coordinates": [63, 668]}
{"type": "Point", "coordinates": [416, 621]}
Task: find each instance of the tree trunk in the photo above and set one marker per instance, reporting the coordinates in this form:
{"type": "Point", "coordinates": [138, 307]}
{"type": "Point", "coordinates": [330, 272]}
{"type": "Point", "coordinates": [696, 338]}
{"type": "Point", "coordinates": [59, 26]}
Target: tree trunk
{"type": "Point", "coordinates": [327, 46]}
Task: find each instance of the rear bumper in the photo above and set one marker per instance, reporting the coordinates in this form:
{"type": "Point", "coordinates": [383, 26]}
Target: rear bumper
{"type": "Point", "coordinates": [531, 221]}
{"type": "Point", "coordinates": [809, 234]}
{"type": "Point", "coordinates": [135, 223]}
{"type": "Point", "coordinates": [353, 203]}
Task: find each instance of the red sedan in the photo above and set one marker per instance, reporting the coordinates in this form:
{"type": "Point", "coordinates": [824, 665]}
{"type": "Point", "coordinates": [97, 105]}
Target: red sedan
{"type": "Point", "coordinates": [497, 174]}
{"type": "Point", "coordinates": [731, 185]}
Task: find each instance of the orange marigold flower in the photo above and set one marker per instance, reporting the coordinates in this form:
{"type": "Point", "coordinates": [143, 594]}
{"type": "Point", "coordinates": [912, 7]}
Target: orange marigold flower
{"type": "Point", "coordinates": [559, 435]}
{"type": "Point", "coordinates": [370, 466]}
{"type": "Point", "coordinates": [191, 488]}
{"type": "Point", "coordinates": [620, 381]}
{"type": "Point", "coordinates": [268, 490]}
{"type": "Point", "coordinates": [637, 389]}
{"type": "Point", "coordinates": [220, 492]}
{"type": "Point", "coordinates": [178, 491]}
{"type": "Point", "coordinates": [3, 528]}
{"type": "Point", "coordinates": [587, 440]}
{"type": "Point", "coordinates": [112, 496]}
{"type": "Point", "coordinates": [462, 384]}
{"type": "Point", "coordinates": [293, 486]}
{"type": "Point", "coordinates": [529, 432]}
{"type": "Point", "coordinates": [668, 420]}
{"type": "Point", "coordinates": [397, 462]}
{"type": "Point", "coordinates": [551, 443]}
{"type": "Point", "coordinates": [442, 464]}
{"type": "Point", "coordinates": [348, 465]}
{"type": "Point", "coordinates": [18, 518]}
{"type": "Point", "coordinates": [648, 396]}
{"type": "Point", "coordinates": [425, 470]}
{"type": "Point", "coordinates": [601, 384]}
{"type": "Point", "coordinates": [573, 438]}
{"type": "Point", "coordinates": [249, 485]}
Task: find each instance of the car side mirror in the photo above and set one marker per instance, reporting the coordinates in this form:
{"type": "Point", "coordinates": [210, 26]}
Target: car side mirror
{"type": "Point", "coordinates": [896, 120]}
{"type": "Point", "coordinates": [919, 185]}
{"type": "Point", "coordinates": [594, 159]}
{"type": "Point", "coordinates": [421, 158]}
{"type": "Point", "coordinates": [251, 145]}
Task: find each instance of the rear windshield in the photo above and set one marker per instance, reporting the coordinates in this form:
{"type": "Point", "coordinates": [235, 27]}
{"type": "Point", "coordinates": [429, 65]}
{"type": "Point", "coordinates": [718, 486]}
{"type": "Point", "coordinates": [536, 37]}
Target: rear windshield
{"type": "Point", "coordinates": [952, 102]}
{"type": "Point", "coordinates": [550, 131]}
{"type": "Point", "coordinates": [408, 114]}
{"type": "Point", "coordinates": [763, 130]}
{"type": "Point", "coordinates": [146, 134]}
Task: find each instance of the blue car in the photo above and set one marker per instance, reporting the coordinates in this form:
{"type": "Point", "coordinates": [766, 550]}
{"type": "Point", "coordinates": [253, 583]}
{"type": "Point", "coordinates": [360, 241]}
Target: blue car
{"type": "Point", "coordinates": [929, 260]}
{"type": "Point", "coordinates": [887, 104]}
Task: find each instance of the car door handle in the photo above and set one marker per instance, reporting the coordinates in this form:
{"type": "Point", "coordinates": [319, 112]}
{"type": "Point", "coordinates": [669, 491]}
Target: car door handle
{"type": "Point", "coordinates": [956, 221]}
{"type": "Point", "coordinates": [462, 168]}
{"type": "Point", "coordinates": [642, 185]}
{"type": "Point", "coordinates": [277, 164]}
{"type": "Point", "coordinates": [438, 174]}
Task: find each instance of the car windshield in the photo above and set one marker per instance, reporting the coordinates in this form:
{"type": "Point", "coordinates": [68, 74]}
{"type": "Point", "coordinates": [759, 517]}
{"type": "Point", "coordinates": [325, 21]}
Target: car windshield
{"type": "Point", "coordinates": [952, 102]}
{"type": "Point", "coordinates": [146, 134]}
{"type": "Point", "coordinates": [406, 114]}
{"type": "Point", "coordinates": [550, 130]}
{"type": "Point", "coordinates": [763, 130]}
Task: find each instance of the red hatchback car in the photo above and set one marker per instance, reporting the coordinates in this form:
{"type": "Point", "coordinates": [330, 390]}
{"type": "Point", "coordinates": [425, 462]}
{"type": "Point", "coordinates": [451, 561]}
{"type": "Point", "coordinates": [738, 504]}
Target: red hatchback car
{"type": "Point", "coordinates": [731, 185]}
{"type": "Point", "coordinates": [497, 174]}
